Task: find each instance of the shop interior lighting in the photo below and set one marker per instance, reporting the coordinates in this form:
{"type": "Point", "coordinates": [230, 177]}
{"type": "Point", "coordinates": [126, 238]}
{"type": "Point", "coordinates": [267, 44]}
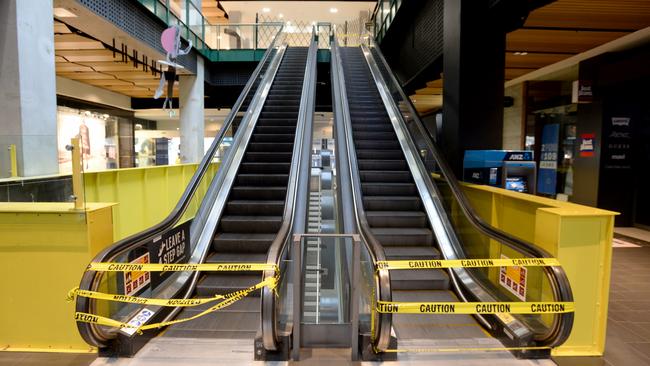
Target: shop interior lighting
{"type": "Point", "coordinates": [280, 15]}
{"type": "Point", "coordinates": [266, 10]}
{"type": "Point", "coordinates": [521, 53]}
{"type": "Point", "coordinates": [334, 10]}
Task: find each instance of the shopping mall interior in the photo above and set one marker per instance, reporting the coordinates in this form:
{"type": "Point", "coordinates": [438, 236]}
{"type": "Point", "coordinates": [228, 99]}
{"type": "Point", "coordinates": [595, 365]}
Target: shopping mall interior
{"type": "Point", "coordinates": [409, 182]}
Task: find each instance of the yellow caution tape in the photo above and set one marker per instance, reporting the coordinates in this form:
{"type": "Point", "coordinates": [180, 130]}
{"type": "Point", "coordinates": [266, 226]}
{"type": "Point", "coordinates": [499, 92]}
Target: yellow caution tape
{"type": "Point", "coordinates": [98, 319]}
{"type": "Point", "coordinates": [467, 263]}
{"type": "Point", "coordinates": [475, 307]}
{"type": "Point", "coordinates": [160, 267]}
{"type": "Point", "coordinates": [458, 350]}
{"type": "Point", "coordinates": [161, 302]}
{"type": "Point", "coordinates": [230, 299]}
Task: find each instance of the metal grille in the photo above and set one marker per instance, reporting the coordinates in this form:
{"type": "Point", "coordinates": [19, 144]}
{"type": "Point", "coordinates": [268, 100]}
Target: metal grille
{"type": "Point", "coordinates": [349, 33]}
{"type": "Point", "coordinates": [414, 40]}
{"type": "Point", "coordinates": [296, 34]}
{"type": "Point", "coordinates": [137, 22]}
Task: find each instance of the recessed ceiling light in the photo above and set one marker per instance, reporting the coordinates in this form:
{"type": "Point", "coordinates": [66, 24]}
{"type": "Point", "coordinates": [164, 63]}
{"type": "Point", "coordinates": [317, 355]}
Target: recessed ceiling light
{"type": "Point", "coordinates": [64, 13]}
{"type": "Point", "coordinates": [266, 10]}
{"type": "Point", "coordinates": [280, 15]}
{"type": "Point", "coordinates": [334, 10]}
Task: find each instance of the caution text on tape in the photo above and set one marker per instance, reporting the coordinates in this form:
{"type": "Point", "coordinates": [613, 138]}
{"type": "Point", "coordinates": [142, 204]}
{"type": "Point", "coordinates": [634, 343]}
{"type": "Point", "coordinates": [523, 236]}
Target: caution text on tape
{"type": "Point", "coordinates": [270, 282]}
{"type": "Point", "coordinates": [467, 263]}
{"type": "Point", "coordinates": [160, 267]}
{"type": "Point", "coordinates": [474, 307]}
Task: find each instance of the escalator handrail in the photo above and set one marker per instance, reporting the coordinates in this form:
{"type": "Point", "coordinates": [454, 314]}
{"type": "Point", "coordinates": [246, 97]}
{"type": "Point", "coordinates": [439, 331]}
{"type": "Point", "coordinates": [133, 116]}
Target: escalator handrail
{"type": "Point", "coordinates": [295, 208]}
{"type": "Point", "coordinates": [351, 178]}
{"type": "Point", "coordinates": [143, 237]}
{"type": "Point", "coordinates": [558, 279]}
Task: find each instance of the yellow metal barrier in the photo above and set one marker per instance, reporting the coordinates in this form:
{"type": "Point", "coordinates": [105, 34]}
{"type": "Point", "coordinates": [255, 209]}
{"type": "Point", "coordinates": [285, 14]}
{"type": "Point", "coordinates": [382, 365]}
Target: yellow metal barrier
{"type": "Point", "coordinates": [144, 196]}
{"type": "Point", "coordinates": [578, 236]}
{"type": "Point", "coordinates": [45, 248]}
{"type": "Point", "coordinates": [13, 161]}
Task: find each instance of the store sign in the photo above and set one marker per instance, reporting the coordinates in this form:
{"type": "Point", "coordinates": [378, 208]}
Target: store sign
{"type": "Point", "coordinates": [582, 92]}
{"type": "Point", "coordinates": [170, 248]}
{"type": "Point", "coordinates": [587, 143]}
{"type": "Point", "coordinates": [514, 279]}
{"type": "Point", "coordinates": [619, 144]}
{"type": "Point", "coordinates": [547, 176]}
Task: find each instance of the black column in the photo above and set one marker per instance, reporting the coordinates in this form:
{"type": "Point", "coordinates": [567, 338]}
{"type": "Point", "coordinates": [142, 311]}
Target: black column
{"type": "Point", "coordinates": [474, 61]}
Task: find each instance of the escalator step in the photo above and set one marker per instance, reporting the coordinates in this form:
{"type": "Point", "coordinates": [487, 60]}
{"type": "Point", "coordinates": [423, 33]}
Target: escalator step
{"type": "Point", "coordinates": [218, 284]}
{"type": "Point", "coordinates": [367, 164]}
{"type": "Point", "coordinates": [389, 189]}
{"type": "Point", "coordinates": [264, 137]}
{"type": "Point", "coordinates": [267, 156]}
{"type": "Point", "coordinates": [419, 279]}
{"type": "Point", "coordinates": [418, 252]}
{"type": "Point", "coordinates": [272, 168]}
{"type": "Point", "coordinates": [242, 243]}
{"type": "Point", "coordinates": [249, 207]}
{"type": "Point", "coordinates": [251, 224]}
{"type": "Point", "coordinates": [392, 203]}
{"type": "Point", "coordinates": [375, 135]}
{"type": "Point", "coordinates": [291, 122]}
{"type": "Point", "coordinates": [385, 177]}
{"type": "Point", "coordinates": [275, 130]}
{"type": "Point", "coordinates": [262, 179]}
{"type": "Point", "coordinates": [396, 219]}
{"type": "Point", "coordinates": [377, 144]}
{"type": "Point", "coordinates": [372, 127]}
{"type": "Point", "coordinates": [272, 147]}
{"type": "Point", "coordinates": [403, 237]}
{"type": "Point", "coordinates": [379, 154]}
{"type": "Point", "coordinates": [258, 193]}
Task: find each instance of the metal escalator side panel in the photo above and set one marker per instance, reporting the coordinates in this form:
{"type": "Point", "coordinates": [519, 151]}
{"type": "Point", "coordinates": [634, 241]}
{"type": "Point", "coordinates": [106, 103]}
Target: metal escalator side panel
{"type": "Point", "coordinates": [182, 283]}
{"type": "Point", "coordinates": [295, 209]}
{"type": "Point", "coordinates": [433, 201]}
{"type": "Point", "coordinates": [353, 212]}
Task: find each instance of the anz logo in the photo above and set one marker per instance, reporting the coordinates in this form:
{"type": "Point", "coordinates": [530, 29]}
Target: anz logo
{"type": "Point", "coordinates": [518, 156]}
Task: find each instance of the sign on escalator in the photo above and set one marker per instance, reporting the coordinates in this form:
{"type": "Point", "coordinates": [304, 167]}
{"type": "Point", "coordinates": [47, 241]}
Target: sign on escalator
{"type": "Point", "coordinates": [170, 248]}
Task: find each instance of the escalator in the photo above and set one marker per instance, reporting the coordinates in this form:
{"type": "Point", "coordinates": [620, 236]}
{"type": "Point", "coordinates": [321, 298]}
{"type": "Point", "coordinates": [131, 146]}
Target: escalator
{"type": "Point", "coordinates": [253, 213]}
{"type": "Point", "coordinates": [244, 213]}
{"type": "Point", "coordinates": [407, 205]}
{"type": "Point", "coordinates": [393, 207]}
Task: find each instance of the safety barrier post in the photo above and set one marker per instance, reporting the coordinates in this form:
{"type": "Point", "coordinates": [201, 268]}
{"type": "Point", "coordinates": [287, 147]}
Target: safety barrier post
{"type": "Point", "coordinates": [13, 161]}
{"type": "Point", "coordinates": [77, 179]}
{"type": "Point", "coordinates": [296, 255]}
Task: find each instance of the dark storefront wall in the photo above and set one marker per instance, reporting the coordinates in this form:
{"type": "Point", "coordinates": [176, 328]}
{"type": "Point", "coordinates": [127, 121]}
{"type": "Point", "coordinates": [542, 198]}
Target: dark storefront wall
{"type": "Point", "coordinates": [617, 177]}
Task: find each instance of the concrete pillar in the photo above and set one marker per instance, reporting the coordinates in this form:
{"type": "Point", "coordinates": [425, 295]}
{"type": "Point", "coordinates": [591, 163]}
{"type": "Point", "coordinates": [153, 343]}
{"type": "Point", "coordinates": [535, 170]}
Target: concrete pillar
{"type": "Point", "coordinates": [28, 87]}
{"type": "Point", "coordinates": [192, 118]}
{"type": "Point", "coordinates": [474, 63]}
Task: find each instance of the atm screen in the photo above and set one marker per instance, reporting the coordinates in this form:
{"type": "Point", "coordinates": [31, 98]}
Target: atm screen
{"type": "Point", "coordinates": [517, 184]}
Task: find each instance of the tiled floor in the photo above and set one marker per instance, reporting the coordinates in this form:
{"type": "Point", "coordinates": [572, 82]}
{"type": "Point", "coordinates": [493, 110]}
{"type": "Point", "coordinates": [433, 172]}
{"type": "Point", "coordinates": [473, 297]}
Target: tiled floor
{"type": "Point", "coordinates": [633, 233]}
{"type": "Point", "coordinates": [628, 326]}
{"type": "Point", "coordinates": [628, 333]}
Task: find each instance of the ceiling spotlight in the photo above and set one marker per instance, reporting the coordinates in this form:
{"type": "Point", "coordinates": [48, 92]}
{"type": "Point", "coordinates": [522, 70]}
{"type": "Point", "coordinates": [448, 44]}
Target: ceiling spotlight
{"type": "Point", "coordinates": [280, 15]}
{"type": "Point", "coordinates": [334, 10]}
{"type": "Point", "coordinates": [266, 10]}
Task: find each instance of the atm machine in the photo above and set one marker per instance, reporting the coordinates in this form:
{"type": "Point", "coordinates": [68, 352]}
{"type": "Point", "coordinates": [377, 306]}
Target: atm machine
{"type": "Point", "coordinates": [513, 170]}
